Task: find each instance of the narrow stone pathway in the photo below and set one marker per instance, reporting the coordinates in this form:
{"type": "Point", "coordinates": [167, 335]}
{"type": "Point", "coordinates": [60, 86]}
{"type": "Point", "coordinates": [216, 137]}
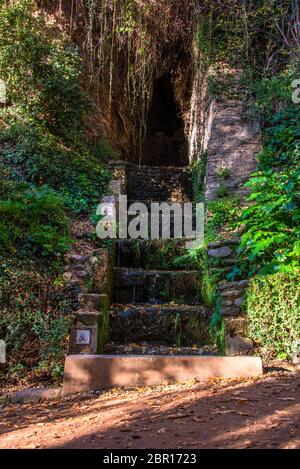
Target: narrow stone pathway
{"type": "Point", "coordinates": [156, 311]}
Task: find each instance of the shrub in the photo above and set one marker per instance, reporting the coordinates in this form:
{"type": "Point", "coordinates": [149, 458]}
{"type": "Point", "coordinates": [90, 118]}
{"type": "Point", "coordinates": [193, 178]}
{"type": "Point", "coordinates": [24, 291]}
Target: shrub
{"type": "Point", "coordinates": [35, 316]}
{"type": "Point", "coordinates": [222, 214]}
{"type": "Point", "coordinates": [42, 126]}
{"type": "Point", "coordinates": [38, 157]}
{"type": "Point", "coordinates": [271, 234]}
{"type": "Point", "coordinates": [33, 221]}
{"type": "Point", "coordinates": [273, 310]}
{"type": "Point", "coordinates": [41, 75]}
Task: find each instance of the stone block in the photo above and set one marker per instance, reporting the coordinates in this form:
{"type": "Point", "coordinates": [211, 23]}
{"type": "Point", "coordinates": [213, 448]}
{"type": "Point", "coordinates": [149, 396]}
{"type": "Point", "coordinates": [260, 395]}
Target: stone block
{"type": "Point", "coordinates": [231, 294]}
{"type": "Point", "coordinates": [92, 302]}
{"type": "Point", "coordinates": [221, 252]}
{"type": "Point", "coordinates": [35, 395]}
{"type": "Point", "coordinates": [236, 340]}
{"type": "Point", "coordinates": [84, 373]}
{"type": "Point", "coordinates": [101, 272]}
{"type": "Point", "coordinates": [238, 344]}
{"type": "Point", "coordinates": [230, 311]}
{"type": "Point", "coordinates": [88, 326]}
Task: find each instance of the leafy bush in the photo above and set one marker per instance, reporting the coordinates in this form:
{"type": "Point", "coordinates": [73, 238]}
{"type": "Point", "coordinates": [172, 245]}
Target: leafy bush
{"type": "Point", "coordinates": [273, 310]}
{"type": "Point", "coordinates": [271, 227]}
{"type": "Point", "coordinates": [42, 126]}
{"type": "Point", "coordinates": [35, 156]}
{"type": "Point", "coordinates": [222, 215]}
{"type": "Point", "coordinates": [35, 316]}
{"type": "Point", "coordinates": [41, 75]}
{"type": "Point", "coordinates": [271, 233]}
{"type": "Point", "coordinates": [33, 221]}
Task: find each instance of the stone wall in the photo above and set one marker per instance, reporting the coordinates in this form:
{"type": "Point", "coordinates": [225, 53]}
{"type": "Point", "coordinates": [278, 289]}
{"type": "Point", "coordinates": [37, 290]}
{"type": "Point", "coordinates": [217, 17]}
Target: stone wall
{"type": "Point", "coordinates": [222, 257]}
{"type": "Point", "coordinates": [233, 144]}
{"type": "Point", "coordinates": [92, 275]}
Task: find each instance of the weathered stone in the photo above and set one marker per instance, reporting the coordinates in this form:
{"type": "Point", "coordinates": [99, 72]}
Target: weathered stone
{"type": "Point", "coordinates": [85, 321]}
{"type": "Point", "coordinates": [159, 183]}
{"type": "Point", "coordinates": [236, 330]}
{"type": "Point", "coordinates": [239, 302]}
{"type": "Point", "coordinates": [221, 243]}
{"type": "Point", "coordinates": [243, 283]}
{"type": "Point", "coordinates": [102, 273]}
{"type": "Point", "coordinates": [231, 293]}
{"type": "Point", "coordinates": [230, 311]}
{"type": "Point", "coordinates": [35, 395]}
{"type": "Point", "coordinates": [238, 344]}
{"type": "Point", "coordinates": [74, 258]}
{"type": "Point", "coordinates": [236, 326]}
{"type": "Point", "coordinates": [82, 274]}
{"type": "Point", "coordinates": [92, 302]}
{"type": "Point", "coordinates": [234, 144]}
{"type": "Point", "coordinates": [227, 286]}
{"type": "Point", "coordinates": [67, 276]}
{"type": "Point", "coordinates": [143, 286]}
{"type": "Point", "coordinates": [133, 324]}
{"type": "Point", "coordinates": [227, 303]}
{"type": "Point", "coordinates": [115, 186]}
{"type": "Point", "coordinates": [220, 252]}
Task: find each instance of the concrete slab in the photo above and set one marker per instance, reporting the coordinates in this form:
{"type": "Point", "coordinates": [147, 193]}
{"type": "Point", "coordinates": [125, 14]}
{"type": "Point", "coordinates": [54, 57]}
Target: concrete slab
{"type": "Point", "coordinates": [85, 373]}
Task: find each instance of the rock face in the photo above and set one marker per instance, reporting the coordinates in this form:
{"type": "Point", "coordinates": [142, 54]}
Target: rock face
{"type": "Point", "coordinates": [232, 148]}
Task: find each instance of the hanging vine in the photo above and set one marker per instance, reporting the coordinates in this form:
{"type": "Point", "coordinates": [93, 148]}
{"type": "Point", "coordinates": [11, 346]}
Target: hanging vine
{"type": "Point", "coordinates": [149, 47]}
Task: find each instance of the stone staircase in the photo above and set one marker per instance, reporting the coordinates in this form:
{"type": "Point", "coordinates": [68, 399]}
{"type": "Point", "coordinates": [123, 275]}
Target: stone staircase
{"type": "Point", "coordinates": [155, 310]}
{"type": "Point", "coordinates": [158, 320]}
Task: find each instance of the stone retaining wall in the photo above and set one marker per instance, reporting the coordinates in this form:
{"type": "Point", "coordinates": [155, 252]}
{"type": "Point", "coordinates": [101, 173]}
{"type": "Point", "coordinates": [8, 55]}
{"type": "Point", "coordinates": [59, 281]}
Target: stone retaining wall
{"type": "Point", "coordinates": [222, 256]}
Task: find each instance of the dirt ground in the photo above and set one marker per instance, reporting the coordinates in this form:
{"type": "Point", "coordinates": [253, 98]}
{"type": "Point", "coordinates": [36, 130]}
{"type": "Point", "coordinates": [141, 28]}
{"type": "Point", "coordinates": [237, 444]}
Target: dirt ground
{"type": "Point", "coordinates": [254, 413]}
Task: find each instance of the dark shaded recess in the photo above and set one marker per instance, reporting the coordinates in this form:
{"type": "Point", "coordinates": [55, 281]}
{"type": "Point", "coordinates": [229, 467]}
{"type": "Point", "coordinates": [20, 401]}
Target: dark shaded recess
{"type": "Point", "coordinates": [165, 143]}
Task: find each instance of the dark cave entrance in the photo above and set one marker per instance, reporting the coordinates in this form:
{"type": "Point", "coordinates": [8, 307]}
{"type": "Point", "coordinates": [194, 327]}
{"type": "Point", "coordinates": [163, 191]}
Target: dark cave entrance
{"type": "Point", "coordinates": [165, 143]}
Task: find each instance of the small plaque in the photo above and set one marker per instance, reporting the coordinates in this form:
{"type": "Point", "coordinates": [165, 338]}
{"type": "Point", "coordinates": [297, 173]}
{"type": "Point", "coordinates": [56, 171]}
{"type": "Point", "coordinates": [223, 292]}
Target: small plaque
{"type": "Point", "coordinates": [83, 337]}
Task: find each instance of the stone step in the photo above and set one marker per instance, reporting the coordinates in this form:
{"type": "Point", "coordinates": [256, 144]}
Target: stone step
{"type": "Point", "coordinates": [173, 324]}
{"type": "Point", "coordinates": [159, 183]}
{"type": "Point", "coordinates": [151, 254]}
{"type": "Point", "coordinates": [157, 348]}
{"type": "Point", "coordinates": [153, 286]}
{"type": "Point", "coordinates": [85, 373]}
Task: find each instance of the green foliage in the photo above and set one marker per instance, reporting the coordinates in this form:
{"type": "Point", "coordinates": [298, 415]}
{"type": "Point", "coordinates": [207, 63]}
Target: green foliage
{"type": "Point", "coordinates": [273, 311]}
{"type": "Point", "coordinates": [42, 127]}
{"type": "Point", "coordinates": [35, 156]}
{"type": "Point", "coordinates": [198, 170]}
{"type": "Point", "coordinates": [224, 173]}
{"type": "Point", "coordinates": [217, 331]}
{"type": "Point", "coordinates": [41, 75]}
{"type": "Point", "coordinates": [35, 314]}
{"type": "Point", "coordinates": [271, 233]}
{"type": "Point", "coordinates": [222, 191]}
{"type": "Point", "coordinates": [222, 216]}
{"type": "Point", "coordinates": [32, 221]}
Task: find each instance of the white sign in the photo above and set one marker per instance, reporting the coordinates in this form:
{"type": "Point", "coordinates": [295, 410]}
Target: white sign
{"type": "Point", "coordinates": [83, 337]}
{"type": "Point", "coordinates": [2, 352]}
{"type": "Point", "coordinates": [2, 92]}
